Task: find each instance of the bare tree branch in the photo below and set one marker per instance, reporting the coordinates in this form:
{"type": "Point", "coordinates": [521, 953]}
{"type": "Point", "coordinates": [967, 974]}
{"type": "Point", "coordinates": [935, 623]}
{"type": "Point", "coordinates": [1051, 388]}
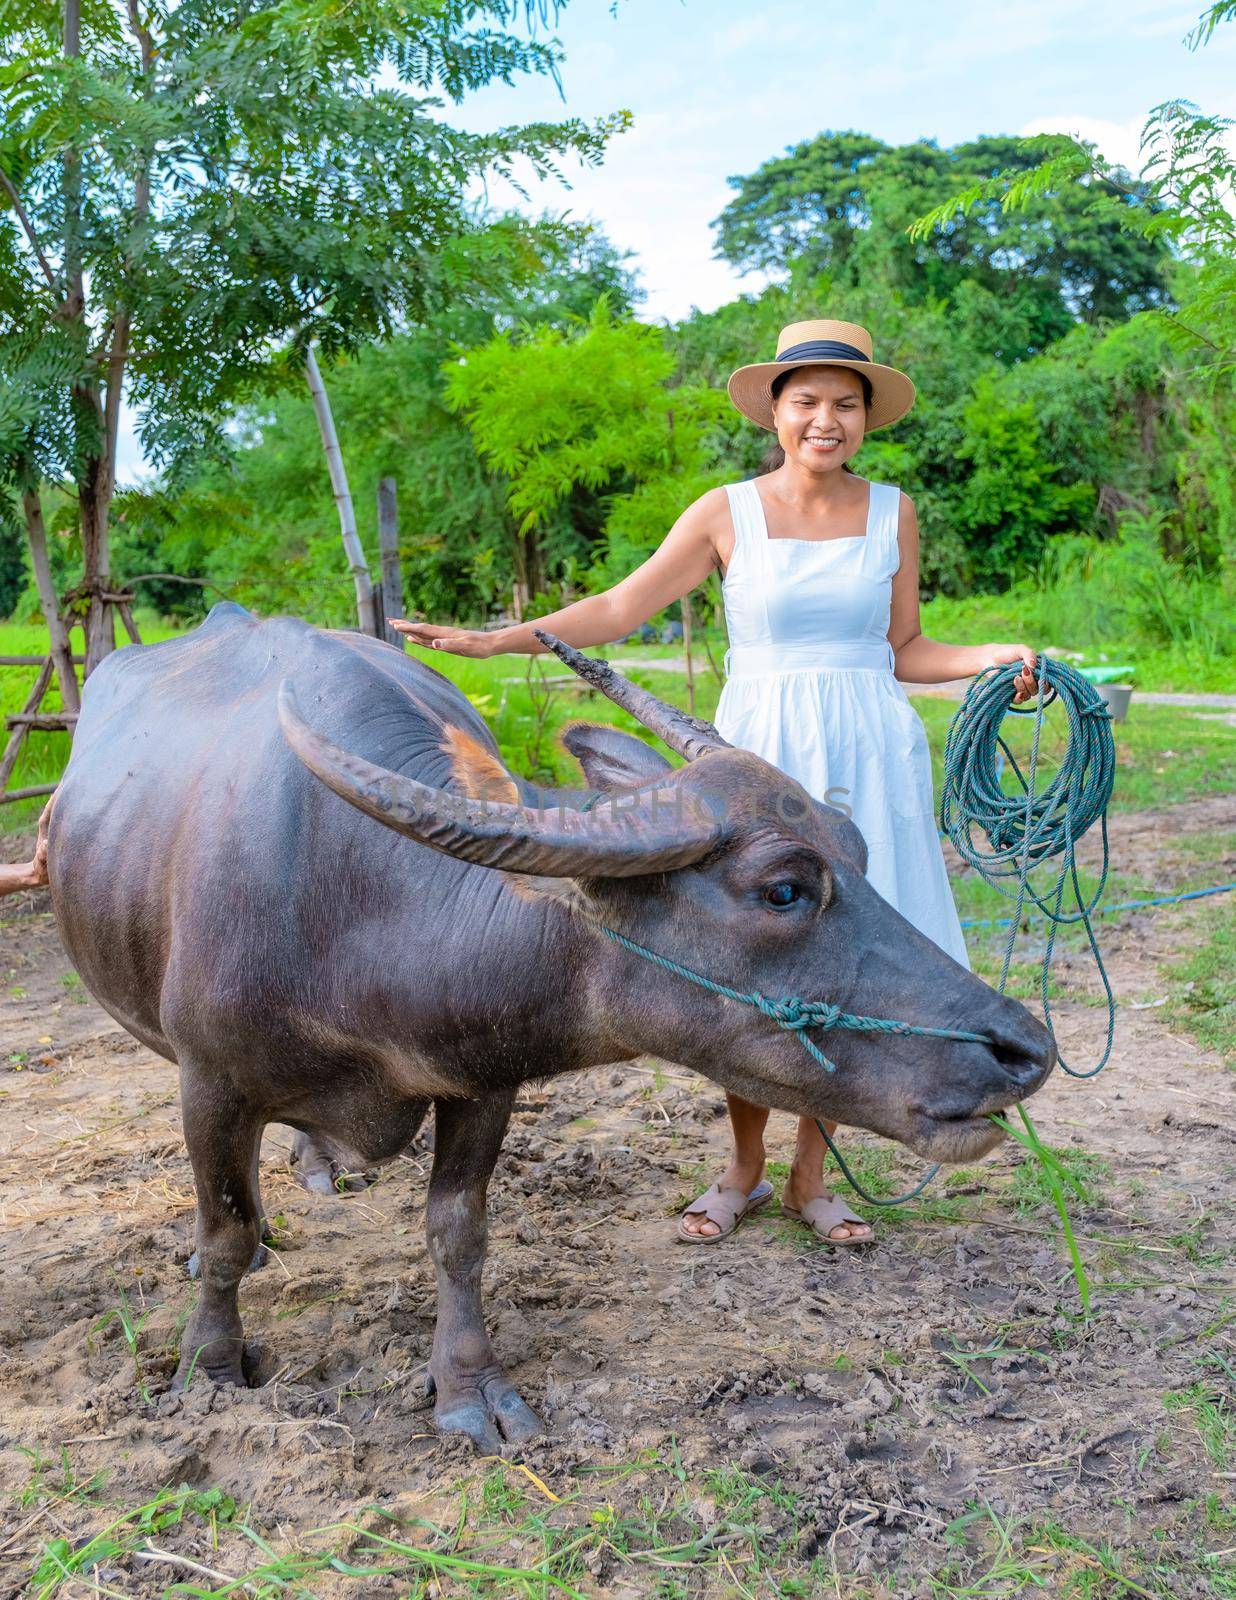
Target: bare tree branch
{"type": "Point", "coordinates": [27, 228]}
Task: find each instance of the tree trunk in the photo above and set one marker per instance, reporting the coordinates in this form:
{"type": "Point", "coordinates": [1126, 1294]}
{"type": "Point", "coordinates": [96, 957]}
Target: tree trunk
{"type": "Point", "coordinates": [352, 548]}
{"type": "Point", "coordinates": [529, 578]}
{"type": "Point", "coordinates": [61, 651]}
{"type": "Point", "coordinates": [519, 589]}
{"type": "Point", "coordinates": [96, 480]}
{"type": "Point", "coordinates": [94, 499]}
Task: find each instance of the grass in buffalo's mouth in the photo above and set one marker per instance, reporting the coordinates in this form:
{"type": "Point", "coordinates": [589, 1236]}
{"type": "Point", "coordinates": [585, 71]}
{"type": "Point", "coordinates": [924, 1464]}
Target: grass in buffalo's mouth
{"type": "Point", "coordinates": [1057, 1175]}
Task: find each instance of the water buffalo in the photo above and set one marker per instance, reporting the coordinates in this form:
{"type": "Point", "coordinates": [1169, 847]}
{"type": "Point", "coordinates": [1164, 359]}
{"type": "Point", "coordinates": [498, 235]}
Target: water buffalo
{"type": "Point", "coordinates": [340, 966]}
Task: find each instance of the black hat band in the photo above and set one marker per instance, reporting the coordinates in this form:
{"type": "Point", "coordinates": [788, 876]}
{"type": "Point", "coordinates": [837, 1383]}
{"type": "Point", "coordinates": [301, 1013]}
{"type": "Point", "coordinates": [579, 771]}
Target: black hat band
{"type": "Point", "coordinates": [822, 350]}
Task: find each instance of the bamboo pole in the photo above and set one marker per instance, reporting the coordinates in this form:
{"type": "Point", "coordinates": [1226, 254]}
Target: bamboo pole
{"type": "Point", "coordinates": [352, 548]}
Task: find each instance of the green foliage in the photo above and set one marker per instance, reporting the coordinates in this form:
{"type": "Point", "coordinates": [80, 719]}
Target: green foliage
{"type": "Point", "coordinates": [552, 411]}
{"type": "Point", "coordinates": [1010, 501]}
{"type": "Point", "coordinates": [241, 182]}
{"type": "Point", "coordinates": [1118, 597]}
{"type": "Point", "coordinates": [1182, 197]}
{"type": "Point", "coordinates": [261, 524]}
{"type": "Point", "coordinates": [12, 561]}
{"type": "Point", "coordinates": [560, 411]}
{"type": "Point", "coordinates": [1064, 325]}
{"type": "Point", "coordinates": [196, 193]}
{"type": "Point", "coordinates": [842, 203]}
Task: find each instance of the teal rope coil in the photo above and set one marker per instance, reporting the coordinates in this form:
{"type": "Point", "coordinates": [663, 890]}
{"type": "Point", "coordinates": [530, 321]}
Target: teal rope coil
{"type": "Point", "coordinates": [1003, 834]}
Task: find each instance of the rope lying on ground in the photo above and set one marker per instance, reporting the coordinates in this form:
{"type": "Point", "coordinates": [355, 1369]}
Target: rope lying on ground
{"type": "Point", "coordinates": [1110, 911]}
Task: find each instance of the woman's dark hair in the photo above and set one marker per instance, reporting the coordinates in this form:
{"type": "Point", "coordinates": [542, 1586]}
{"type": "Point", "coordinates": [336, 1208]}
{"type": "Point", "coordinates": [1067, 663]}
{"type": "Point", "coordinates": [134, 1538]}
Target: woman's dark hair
{"type": "Point", "coordinates": [774, 456]}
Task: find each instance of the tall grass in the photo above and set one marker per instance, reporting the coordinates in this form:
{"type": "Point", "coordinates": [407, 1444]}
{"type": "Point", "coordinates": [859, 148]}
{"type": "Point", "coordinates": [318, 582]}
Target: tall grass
{"type": "Point", "coordinates": [1120, 598]}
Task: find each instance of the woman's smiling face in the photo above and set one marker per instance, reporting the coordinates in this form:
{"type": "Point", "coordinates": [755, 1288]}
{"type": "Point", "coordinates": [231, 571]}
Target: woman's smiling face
{"type": "Point", "coordinates": [820, 416]}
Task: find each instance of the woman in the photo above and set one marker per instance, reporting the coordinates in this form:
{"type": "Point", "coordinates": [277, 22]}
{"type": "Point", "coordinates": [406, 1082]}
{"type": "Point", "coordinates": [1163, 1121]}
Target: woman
{"type": "Point", "coordinates": [820, 581]}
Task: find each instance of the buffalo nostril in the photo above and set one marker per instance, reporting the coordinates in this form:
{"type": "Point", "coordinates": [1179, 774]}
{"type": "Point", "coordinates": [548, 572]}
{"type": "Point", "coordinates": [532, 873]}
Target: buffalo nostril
{"type": "Point", "coordinates": [1023, 1061]}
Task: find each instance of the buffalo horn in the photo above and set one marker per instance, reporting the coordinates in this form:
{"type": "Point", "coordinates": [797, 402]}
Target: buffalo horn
{"type": "Point", "coordinates": [654, 829]}
{"type": "Point", "coordinates": [689, 736]}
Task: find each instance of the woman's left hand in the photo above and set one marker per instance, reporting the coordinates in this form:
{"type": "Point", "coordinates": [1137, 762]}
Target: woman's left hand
{"type": "Point", "coordinates": [1026, 685]}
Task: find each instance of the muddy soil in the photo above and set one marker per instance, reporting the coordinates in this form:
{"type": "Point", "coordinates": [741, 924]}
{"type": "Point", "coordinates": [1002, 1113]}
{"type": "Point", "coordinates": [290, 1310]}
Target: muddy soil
{"type": "Point", "coordinates": [839, 1375]}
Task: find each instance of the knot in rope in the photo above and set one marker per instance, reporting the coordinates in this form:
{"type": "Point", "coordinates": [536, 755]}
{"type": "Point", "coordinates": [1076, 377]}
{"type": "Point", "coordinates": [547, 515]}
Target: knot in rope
{"type": "Point", "coordinates": [795, 1014]}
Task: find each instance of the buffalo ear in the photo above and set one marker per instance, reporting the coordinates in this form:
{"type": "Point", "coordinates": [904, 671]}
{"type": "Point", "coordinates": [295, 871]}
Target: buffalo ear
{"type": "Point", "coordinates": [612, 759]}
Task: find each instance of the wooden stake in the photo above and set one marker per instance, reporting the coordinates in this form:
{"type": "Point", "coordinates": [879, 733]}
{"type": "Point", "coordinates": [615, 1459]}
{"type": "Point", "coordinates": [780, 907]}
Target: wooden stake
{"type": "Point", "coordinates": [126, 616]}
{"type": "Point", "coordinates": [686, 646]}
{"type": "Point", "coordinates": [20, 725]}
{"type": "Point", "coordinates": [388, 544]}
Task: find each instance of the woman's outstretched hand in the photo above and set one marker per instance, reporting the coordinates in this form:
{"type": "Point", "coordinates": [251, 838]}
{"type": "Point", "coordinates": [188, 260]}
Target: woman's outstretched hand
{"type": "Point", "coordinates": [1025, 685]}
{"type": "Point", "coordinates": [459, 641]}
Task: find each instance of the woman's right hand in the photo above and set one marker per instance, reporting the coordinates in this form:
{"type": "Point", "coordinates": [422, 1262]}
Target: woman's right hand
{"type": "Point", "coordinates": [459, 641]}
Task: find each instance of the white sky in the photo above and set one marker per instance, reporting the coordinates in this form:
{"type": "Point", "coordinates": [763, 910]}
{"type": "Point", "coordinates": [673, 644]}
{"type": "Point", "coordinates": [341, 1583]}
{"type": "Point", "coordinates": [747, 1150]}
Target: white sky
{"type": "Point", "coordinates": [718, 86]}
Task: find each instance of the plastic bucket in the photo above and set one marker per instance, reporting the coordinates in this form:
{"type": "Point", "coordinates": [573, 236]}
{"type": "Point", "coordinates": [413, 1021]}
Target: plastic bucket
{"type": "Point", "coordinates": [1116, 696]}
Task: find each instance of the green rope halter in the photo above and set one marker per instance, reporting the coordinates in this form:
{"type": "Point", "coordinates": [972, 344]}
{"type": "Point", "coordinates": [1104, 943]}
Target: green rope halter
{"type": "Point", "coordinates": [793, 1014]}
{"type": "Point", "coordinates": [796, 1016]}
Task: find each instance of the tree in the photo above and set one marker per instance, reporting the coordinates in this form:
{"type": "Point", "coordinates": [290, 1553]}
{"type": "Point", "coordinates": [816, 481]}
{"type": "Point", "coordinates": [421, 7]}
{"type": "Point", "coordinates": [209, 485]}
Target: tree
{"type": "Point", "coordinates": [1011, 500]}
{"type": "Point", "coordinates": [198, 190]}
{"type": "Point", "coordinates": [842, 203]}
{"type": "Point", "coordinates": [258, 521]}
{"type": "Point", "coordinates": [1183, 194]}
{"type": "Point", "coordinates": [556, 412]}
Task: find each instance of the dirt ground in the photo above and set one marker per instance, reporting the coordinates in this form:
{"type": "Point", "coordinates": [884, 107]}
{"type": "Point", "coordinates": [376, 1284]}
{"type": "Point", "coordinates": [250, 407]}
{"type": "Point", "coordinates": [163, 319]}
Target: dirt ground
{"type": "Point", "coordinates": [872, 1398]}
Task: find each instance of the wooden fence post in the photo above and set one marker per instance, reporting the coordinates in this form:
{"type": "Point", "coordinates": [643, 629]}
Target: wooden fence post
{"type": "Point", "coordinates": [390, 591]}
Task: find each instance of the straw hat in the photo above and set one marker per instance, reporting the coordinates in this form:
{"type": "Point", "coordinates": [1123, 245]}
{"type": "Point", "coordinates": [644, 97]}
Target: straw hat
{"type": "Point", "coordinates": [807, 344]}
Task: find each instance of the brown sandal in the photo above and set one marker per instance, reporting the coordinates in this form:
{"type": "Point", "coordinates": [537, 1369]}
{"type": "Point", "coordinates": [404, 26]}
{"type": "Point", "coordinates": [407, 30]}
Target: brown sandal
{"type": "Point", "coordinates": [725, 1207]}
{"type": "Point", "coordinates": [824, 1213]}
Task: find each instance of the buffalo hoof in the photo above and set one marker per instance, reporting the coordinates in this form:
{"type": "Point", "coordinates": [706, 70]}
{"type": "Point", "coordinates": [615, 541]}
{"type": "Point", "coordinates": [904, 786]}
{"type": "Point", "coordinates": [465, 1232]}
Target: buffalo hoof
{"type": "Point", "coordinates": [260, 1257]}
{"type": "Point", "coordinates": [489, 1411]}
{"type": "Point", "coordinates": [234, 1364]}
{"type": "Point", "coordinates": [318, 1171]}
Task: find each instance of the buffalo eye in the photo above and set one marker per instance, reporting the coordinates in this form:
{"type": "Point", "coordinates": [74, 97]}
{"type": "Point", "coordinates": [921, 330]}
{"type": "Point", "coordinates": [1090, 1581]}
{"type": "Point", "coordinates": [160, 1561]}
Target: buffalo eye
{"type": "Point", "coordinates": [781, 895]}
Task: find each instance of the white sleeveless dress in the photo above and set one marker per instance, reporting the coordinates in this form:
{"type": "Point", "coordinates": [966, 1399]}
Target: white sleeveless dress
{"type": "Point", "coordinates": [810, 687]}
